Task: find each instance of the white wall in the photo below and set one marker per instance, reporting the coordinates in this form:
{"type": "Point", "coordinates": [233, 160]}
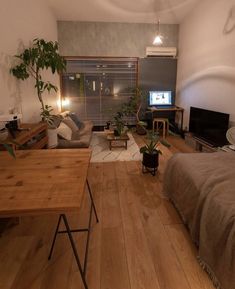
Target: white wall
{"type": "Point", "coordinates": [21, 22]}
{"type": "Point", "coordinates": [206, 66]}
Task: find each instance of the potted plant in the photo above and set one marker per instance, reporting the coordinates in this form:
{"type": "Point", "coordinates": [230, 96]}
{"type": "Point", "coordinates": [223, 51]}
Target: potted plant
{"type": "Point", "coordinates": [151, 153]}
{"type": "Point", "coordinates": [42, 55]}
{"type": "Point", "coordinates": [133, 107]}
{"type": "Point", "coordinates": [119, 124]}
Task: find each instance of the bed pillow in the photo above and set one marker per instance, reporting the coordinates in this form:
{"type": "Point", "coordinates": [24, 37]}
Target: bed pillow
{"type": "Point", "coordinates": [76, 119]}
{"type": "Point", "coordinates": [70, 123]}
{"type": "Point", "coordinates": [64, 131]}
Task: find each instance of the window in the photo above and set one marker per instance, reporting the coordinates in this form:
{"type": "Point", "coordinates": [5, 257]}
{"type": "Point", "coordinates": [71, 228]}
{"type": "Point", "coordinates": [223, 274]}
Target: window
{"type": "Point", "coordinates": [97, 87]}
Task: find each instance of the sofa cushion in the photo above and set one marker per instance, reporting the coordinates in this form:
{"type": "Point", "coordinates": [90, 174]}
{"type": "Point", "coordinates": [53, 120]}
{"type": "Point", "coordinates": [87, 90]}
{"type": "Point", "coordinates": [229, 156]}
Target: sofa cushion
{"type": "Point", "coordinates": [64, 113]}
{"type": "Point", "coordinates": [83, 142]}
{"type": "Point", "coordinates": [76, 120]}
{"type": "Point", "coordinates": [87, 129]}
{"type": "Point", "coordinates": [56, 119]}
{"type": "Point", "coordinates": [64, 131]}
{"type": "Point", "coordinates": [70, 123]}
{"type": "Point", "coordinates": [76, 135]}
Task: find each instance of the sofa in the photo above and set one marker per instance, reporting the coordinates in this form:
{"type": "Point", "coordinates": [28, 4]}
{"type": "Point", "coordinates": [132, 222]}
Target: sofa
{"type": "Point", "coordinates": [72, 132]}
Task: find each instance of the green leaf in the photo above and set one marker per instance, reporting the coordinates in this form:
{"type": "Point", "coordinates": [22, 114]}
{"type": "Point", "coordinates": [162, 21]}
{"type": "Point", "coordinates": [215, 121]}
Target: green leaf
{"type": "Point", "coordinates": [10, 150]}
{"type": "Point", "coordinates": [165, 143]}
{"type": "Point", "coordinates": [143, 149]}
{"type": "Point", "coordinates": [33, 60]}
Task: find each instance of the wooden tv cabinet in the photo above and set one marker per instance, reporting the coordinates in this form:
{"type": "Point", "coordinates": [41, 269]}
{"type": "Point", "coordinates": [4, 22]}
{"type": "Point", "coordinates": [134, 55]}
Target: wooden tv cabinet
{"type": "Point", "coordinates": [198, 145]}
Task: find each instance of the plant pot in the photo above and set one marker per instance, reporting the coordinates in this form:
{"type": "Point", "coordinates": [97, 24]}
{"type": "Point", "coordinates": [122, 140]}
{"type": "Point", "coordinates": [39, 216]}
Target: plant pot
{"type": "Point", "coordinates": [140, 129]}
{"type": "Point", "coordinates": [116, 132]}
{"type": "Point", "coordinates": [151, 160]}
{"type": "Point", "coordinates": [52, 138]}
{"type": "Point", "coordinates": [108, 124]}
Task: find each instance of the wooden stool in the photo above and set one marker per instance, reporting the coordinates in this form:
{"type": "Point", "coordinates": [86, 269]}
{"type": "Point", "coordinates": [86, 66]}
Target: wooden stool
{"type": "Point", "coordinates": [165, 124]}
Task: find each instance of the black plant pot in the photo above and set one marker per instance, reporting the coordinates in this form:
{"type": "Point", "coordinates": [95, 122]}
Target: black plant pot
{"type": "Point", "coordinates": [150, 162]}
{"type": "Point", "coordinates": [140, 130]}
{"type": "Point", "coordinates": [116, 132]}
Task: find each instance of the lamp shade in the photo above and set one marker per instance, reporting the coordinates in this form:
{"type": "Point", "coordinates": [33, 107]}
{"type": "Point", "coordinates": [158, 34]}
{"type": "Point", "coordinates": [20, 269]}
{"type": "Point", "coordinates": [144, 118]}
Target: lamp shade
{"type": "Point", "coordinates": [158, 38]}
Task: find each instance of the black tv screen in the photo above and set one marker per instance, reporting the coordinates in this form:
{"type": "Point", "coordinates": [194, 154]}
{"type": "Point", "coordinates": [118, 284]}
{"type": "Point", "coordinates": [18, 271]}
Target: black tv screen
{"type": "Point", "coordinates": [210, 126]}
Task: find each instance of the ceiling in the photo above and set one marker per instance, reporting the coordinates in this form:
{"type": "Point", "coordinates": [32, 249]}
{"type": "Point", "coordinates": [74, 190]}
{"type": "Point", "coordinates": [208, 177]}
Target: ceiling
{"type": "Point", "coordinates": [133, 11]}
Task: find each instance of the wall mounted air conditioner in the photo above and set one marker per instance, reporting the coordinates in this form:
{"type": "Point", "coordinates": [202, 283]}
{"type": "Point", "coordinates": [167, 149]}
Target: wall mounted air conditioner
{"type": "Point", "coordinates": [154, 51]}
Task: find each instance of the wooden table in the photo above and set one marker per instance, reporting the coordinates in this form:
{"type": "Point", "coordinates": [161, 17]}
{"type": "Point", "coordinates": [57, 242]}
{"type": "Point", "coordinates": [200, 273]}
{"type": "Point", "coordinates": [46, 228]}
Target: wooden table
{"type": "Point", "coordinates": [47, 181]}
{"type": "Point", "coordinates": [121, 140]}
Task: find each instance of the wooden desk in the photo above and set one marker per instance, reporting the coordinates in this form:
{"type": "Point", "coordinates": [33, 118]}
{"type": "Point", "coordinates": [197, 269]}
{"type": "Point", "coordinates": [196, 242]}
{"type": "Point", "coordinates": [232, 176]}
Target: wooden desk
{"type": "Point", "coordinates": [46, 181]}
{"type": "Point", "coordinates": [170, 109]}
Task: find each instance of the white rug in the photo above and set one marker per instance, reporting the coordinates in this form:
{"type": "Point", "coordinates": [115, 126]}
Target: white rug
{"type": "Point", "coordinates": [101, 153]}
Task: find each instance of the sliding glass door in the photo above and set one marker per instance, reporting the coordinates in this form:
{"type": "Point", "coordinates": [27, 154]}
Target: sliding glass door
{"type": "Point", "coordinates": [97, 87]}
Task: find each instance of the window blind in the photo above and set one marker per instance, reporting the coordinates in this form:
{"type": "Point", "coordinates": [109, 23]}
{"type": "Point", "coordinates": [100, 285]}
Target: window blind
{"type": "Point", "coordinates": [97, 87]}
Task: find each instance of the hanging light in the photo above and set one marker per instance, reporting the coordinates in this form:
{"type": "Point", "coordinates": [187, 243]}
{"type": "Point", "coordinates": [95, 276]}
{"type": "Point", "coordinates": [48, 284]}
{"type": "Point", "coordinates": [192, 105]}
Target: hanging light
{"type": "Point", "coordinates": [158, 38]}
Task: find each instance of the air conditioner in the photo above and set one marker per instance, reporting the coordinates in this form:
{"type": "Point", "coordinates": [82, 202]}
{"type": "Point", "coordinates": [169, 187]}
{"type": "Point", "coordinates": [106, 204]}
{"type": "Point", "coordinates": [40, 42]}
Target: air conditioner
{"type": "Point", "coordinates": [161, 51]}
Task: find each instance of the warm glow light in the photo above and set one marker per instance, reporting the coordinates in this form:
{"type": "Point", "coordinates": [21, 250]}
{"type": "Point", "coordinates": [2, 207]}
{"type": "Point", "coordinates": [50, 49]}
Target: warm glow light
{"type": "Point", "coordinates": [157, 40]}
{"type": "Point", "coordinates": [93, 85]}
{"type": "Point", "coordinates": [65, 102]}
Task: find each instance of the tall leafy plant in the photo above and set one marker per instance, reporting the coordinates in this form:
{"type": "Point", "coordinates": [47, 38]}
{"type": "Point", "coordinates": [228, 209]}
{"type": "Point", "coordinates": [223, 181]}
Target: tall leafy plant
{"type": "Point", "coordinates": [133, 106]}
{"type": "Point", "coordinates": [42, 55]}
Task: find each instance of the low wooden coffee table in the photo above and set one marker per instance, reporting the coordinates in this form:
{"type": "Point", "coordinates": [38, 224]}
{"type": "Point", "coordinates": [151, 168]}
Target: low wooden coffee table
{"type": "Point", "coordinates": [117, 141]}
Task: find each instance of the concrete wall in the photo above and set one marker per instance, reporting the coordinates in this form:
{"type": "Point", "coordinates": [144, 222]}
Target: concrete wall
{"type": "Point", "coordinates": [206, 66]}
{"type": "Point", "coordinates": [21, 22]}
{"type": "Point", "coordinates": [111, 39]}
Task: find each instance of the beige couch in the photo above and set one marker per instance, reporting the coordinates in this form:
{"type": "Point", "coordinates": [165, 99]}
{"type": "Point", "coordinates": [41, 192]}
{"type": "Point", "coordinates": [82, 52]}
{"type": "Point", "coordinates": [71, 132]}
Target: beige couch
{"type": "Point", "coordinates": [80, 139]}
{"type": "Point", "coordinates": [81, 134]}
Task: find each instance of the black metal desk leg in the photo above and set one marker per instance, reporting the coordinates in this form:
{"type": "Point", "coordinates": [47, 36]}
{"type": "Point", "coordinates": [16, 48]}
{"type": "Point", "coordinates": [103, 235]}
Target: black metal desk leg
{"type": "Point", "coordinates": [68, 231]}
{"type": "Point", "coordinates": [74, 251]}
{"type": "Point", "coordinates": [54, 238]}
{"type": "Point", "coordinates": [92, 201]}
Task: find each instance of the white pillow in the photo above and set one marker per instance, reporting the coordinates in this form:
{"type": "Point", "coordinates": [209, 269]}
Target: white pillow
{"type": "Point", "coordinates": [70, 123]}
{"type": "Point", "coordinates": [64, 131]}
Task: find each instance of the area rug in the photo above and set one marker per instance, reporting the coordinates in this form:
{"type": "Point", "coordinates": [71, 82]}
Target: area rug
{"type": "Point", "coordinates": [101, 152]}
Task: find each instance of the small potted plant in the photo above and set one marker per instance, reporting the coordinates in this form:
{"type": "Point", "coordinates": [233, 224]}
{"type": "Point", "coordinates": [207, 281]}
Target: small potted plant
{"type": "Point", "coordinates": [151, 153]}
{"type": "Point", "coordinates": [119, 124]}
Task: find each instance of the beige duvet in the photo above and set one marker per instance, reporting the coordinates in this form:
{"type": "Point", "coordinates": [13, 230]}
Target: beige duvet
{"type": "Point", "coordinates": [202, 187]}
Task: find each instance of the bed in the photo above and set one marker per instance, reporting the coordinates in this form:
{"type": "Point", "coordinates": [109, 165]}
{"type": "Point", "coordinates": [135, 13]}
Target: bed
{"type": "Point", "coordinates": [202, 188]}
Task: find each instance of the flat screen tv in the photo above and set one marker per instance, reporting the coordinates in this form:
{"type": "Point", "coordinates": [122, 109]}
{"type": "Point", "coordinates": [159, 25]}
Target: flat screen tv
{"type": "Point", "coordinates": [210, 126]}
{"type": "Point", "coordinates": [160, 98]}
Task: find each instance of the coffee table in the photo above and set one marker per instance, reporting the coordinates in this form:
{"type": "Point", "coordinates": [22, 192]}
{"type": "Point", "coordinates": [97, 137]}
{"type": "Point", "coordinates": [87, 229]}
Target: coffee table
{"type": "Point", "coordinates": [117, 141]}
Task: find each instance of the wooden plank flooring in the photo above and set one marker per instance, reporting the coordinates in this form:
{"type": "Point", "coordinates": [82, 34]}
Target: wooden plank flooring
{"type": "Point", "coordinates": [140, 242]}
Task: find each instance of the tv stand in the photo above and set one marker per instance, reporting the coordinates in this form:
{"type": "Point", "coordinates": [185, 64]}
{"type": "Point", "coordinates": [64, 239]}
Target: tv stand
{"type": "Point", "coordinates": [200, 144]}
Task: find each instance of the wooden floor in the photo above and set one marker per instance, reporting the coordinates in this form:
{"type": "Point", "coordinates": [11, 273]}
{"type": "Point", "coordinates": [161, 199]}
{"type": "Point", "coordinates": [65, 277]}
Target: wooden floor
{"type": "Point", "coordinates": [140, 242]}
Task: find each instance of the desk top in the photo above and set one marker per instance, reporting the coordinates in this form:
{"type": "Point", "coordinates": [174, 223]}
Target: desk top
{"type": "Point", "coordinates": [42, 181]}
{"type": "Point", "coordinates": [171, 108]}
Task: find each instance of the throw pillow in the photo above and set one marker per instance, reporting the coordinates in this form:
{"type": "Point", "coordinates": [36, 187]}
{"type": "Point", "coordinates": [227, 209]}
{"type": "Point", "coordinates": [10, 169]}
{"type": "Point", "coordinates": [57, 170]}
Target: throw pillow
{"type": "Point", "coordinates": [56, 120]}
{"type": "Point", "coordinates": [70, 123]}
{"type": "Point", "coordinates": [76, 119]}
{"type": "Point", "coordinates": [64, 131]}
